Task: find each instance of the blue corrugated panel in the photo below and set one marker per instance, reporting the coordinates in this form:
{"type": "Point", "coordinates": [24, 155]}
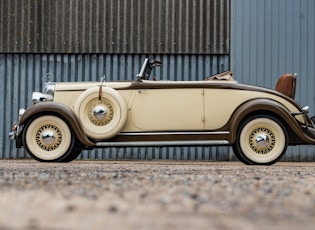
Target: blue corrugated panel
{"type": "Point", "coordinates": [22, 74]}
{"type": "Point", "coordinates": [273, 37]}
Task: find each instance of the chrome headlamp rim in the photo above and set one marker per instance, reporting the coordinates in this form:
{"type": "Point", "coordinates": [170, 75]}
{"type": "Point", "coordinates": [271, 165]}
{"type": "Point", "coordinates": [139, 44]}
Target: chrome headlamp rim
{"type": "Point", "coordinates": [47, 95]}
{"type": "Point", "coordinates": [40, 97]}
{"type": "Point", "coordinates": [49, 88]}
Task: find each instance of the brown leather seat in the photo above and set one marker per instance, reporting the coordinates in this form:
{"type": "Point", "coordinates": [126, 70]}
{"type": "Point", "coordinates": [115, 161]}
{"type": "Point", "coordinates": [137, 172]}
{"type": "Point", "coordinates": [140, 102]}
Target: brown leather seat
{"type": "Point", "coordinates": [286, 85]}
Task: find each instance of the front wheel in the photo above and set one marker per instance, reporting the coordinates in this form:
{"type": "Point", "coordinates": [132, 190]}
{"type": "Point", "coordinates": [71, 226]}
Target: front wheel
{"type": "Point", "coordinates": [48, 138]}
{"type": "Point", "coordinates": [261, 140]}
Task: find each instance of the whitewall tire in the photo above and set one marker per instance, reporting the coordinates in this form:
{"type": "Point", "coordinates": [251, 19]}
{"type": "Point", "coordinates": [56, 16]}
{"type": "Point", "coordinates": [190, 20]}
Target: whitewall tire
{"type": "Point", "coordinates": [261, 140]}
{"type": "Point", "coordinates": [48, 138]}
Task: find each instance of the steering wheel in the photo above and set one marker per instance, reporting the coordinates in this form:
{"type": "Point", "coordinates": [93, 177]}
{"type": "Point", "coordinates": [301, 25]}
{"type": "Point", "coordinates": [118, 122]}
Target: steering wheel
{"type": "Point", "coordinates": [147, 68]}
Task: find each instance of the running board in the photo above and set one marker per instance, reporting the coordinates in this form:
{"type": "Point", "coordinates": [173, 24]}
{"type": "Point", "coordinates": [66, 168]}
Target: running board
{"type": "Point", "coordinates": [161, 143]}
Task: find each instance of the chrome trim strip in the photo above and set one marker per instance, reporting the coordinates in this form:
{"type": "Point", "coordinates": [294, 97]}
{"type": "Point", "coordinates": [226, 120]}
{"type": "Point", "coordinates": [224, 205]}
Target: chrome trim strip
{"type": "Point", "coordinates": [172, 133]}
{"type": "Point", "coordinates": [159, 143]}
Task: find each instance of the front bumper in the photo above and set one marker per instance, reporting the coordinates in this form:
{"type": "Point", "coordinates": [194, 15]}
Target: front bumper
{"type": "Point", "coordinates": [13, 135]}
{"type": "Point", "coordinates": [16, 130]}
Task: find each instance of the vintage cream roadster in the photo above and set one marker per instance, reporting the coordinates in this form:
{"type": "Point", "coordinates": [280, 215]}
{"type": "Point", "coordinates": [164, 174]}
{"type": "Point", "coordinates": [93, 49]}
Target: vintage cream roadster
{"type": "Point", "coordinates": [258, 123]}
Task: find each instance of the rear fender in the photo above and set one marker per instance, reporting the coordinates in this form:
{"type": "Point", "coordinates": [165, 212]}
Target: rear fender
{"type": "Point", "coordinates": [61, 110]}
{"type": "Point", "coordinates": [266, 106]}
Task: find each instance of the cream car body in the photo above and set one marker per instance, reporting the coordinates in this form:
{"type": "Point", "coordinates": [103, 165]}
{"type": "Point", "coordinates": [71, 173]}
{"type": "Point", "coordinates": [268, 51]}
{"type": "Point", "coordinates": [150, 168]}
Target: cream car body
{"type": "Point", "coordinates": [259, 123]}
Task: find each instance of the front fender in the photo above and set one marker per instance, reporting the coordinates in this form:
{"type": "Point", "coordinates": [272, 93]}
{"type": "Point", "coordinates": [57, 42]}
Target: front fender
{"type": "Point", "coordinates": [60, 109]}
{"type": "Point", "coordinates": [266, 106]}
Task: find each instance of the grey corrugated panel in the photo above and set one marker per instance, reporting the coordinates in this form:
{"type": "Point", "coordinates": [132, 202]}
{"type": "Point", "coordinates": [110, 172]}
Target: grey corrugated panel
{"type": "Point", "coordinates": [270, 38]}
{"type": "Point", "coordinates": [115, 26]}
{"type": "Point", "coordinates": [218, 153]}
{"type": "Point", "coordinates": [22, 74]}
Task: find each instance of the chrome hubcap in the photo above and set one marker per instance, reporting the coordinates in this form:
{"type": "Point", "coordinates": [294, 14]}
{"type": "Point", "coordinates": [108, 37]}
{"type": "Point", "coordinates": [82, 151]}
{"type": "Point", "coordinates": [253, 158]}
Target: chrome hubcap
{"type": "Point", "coordinates": [48, 137]}
{"type": "Point", "coordinates": [100, 112]}
{"type": "Point", "coordinates": [262, 140]}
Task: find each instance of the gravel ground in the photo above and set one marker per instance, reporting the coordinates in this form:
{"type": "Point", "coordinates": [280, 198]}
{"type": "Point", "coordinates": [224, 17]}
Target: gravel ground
{"type": "Point", "coordinates": [156, 195]}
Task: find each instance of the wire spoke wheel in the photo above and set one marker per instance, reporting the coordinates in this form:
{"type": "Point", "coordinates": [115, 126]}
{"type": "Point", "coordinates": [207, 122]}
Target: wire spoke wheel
{"type": "Point", "coordinates": [261, 140]}
{"type": "Point", "coordinates": [48, 138]}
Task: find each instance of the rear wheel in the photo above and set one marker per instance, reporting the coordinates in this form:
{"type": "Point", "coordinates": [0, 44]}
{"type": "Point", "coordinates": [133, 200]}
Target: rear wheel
{"type": "Point", "coordinates": [238, 156]}
{"type": "Point", "coordinates": [49, 138]}
{"type": "Point", "coordinates": [261, 140]}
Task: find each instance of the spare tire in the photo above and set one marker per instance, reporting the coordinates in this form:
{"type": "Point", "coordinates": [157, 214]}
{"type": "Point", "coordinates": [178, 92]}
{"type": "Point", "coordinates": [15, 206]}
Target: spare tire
{"type": "Point", "coordinates": [101, 117]}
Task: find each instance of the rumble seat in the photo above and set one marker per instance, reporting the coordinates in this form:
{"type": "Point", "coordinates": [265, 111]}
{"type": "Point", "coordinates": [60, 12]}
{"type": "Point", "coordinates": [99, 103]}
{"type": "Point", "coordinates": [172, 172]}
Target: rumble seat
{"type": "Point", "coordinates": [286, 85]}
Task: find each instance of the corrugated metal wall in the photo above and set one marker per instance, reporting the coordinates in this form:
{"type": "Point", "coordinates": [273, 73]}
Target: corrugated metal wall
{"type": "Point", "coordinates": [21, 74]}
{"type": "Point", "coordinates": [268, 38]}
{"type": "Point", "coordinates": [273, 37]}
{"type": "Point", "coordinates": [82, 40]}
{"type": "Point", "coordinates": [115, 26]}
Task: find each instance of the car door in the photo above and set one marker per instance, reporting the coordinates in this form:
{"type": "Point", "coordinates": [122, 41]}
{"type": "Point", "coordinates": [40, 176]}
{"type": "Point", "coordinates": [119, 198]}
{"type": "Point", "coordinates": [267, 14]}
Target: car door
{"type": "Point", "coordinates": [168, 109]}
{"type": "Point", "coordinates": [220, 103]}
